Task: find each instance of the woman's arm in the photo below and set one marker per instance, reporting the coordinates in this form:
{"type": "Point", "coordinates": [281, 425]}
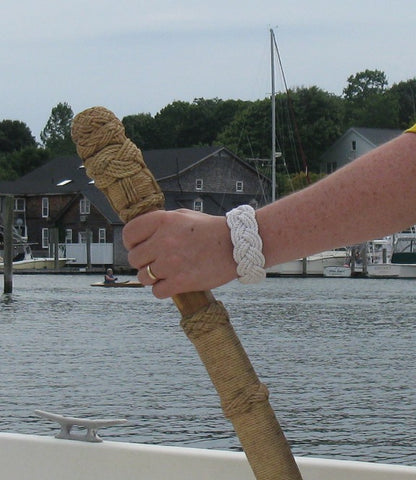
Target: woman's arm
{"type": "Point", "coordinates": [373, 196]}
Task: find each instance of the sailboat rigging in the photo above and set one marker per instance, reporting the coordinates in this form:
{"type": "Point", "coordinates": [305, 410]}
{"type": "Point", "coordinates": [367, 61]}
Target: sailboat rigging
{"type": "Point", "coordinates": [274, 50]}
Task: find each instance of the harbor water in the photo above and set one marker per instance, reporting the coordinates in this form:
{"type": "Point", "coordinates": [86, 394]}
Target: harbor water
{"type": "Point", "coordinates": [337, 355]}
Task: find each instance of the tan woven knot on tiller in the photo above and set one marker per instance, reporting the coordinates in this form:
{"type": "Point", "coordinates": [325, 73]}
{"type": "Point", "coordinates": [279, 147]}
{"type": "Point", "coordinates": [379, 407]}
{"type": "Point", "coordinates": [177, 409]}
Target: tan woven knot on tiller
{"type": "Point", "coordinates": [205, 320]}
{"type": "Point", "coordinates": [95, 128]}
{"type": "Point", "coordinates": [246, 399]}
{"type": "Point", "coordinates": [115, 163]}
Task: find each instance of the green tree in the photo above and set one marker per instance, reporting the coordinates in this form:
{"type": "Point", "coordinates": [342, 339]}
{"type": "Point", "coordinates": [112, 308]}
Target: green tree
{"type": "Point", "coordinates": [206, 119]}
{"type": "Point", "coordinates": [142, 130]}
{"type": "Point", "coordinates": [368, 103]}
{"type": "Point", "coordinates": [310, 121]}
{"type": "Point", "coordinates": [170, 121]}
{"type": "Point", "coordinates": [363, 84]}
{"type": "Point", "coordinates": [183, 124]}
{"type": "Point", "coordinates": [16, 164]}
{"type": "Point", "coordinates": [15, 135]}
{"type": "Point", "coordinates": [56, 136]}
{"type": "Point", "coordinates": [249, 133]}
{"type": "Point", "coordinates": [404, 93]}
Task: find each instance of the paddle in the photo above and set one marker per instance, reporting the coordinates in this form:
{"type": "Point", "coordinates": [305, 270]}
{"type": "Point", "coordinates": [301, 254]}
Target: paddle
{"type": "Point", "coordinates": [118, 169]}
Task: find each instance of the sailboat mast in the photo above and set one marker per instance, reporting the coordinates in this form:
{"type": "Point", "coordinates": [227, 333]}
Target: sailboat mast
{"type": "Point", "coordinates": [273, 116]}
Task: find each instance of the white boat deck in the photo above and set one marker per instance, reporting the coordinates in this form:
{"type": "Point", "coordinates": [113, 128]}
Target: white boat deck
{"type": "Point", "coordinates": [44, 458]}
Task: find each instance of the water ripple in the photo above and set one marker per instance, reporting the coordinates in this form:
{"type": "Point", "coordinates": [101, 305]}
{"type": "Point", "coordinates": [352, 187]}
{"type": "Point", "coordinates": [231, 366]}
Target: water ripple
{"type": "Point", "coordinates": [337, 357]}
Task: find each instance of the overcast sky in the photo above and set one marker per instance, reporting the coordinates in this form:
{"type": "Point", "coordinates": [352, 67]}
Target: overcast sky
{"type": "Point", "coordinates": [137, 56]}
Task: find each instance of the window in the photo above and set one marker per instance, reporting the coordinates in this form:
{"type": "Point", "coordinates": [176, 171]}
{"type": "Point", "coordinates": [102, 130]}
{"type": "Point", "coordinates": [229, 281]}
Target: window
{"type": "Point", "coordinates": [101, 235]}
{"type": "Point", "coordinates": [84, 206]}
{"type": "Point", "coordinates": [45, 237]}
{"type": "Point", "coordinates": [353, 145]}
{"type": "Point", "coordinates": [68, 235]}
{"type": "Point", "coordinates": [331, 167]}
{"type": "Point", "coordinates": [239, 186]}
{"type": "Point", "coordinates": [45, 207]}
{"type": "Point", "coordinates": [199, 184]}
{"type": "Point", "coordinates": [19, 204]}
{"type": "Point", "coordinates": [19, 225]}
{"type": "Point", "coordinates": [82, 236]}
{"type": "Point", "coordinates": [198, 205]}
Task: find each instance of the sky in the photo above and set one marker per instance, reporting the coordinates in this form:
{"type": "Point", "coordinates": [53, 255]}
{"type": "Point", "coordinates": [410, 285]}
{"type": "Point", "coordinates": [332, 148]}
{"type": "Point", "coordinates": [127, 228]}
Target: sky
{"type": "Point", "coordinates": [137, 56]}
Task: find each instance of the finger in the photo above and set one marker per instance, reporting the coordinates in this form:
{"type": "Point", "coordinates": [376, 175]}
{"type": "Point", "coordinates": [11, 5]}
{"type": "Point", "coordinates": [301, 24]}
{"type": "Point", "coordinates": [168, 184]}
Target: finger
{"type": "Point", "coordinates": [143, 254]}
{"type": "Point", "coordinates": [141, 228]}
{"type": "Point", "coordinates": [161, 289]}
{"type": "Point", "coordinates": [147, 276]}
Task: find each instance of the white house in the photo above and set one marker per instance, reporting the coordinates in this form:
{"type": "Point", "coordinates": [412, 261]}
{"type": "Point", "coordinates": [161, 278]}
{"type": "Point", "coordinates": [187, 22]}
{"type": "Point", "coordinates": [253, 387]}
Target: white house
{"type": "Point", "coordinates": [355, 142]}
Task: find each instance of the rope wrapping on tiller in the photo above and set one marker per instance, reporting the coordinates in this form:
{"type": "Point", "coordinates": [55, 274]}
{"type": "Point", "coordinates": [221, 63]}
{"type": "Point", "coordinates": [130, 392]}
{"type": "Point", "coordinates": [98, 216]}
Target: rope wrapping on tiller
{"type": "Point", "coordinates": [118, 169]}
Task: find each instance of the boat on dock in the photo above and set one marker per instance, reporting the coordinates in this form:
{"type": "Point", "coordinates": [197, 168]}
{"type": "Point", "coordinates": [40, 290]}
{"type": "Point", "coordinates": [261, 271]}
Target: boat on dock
{"type": "Point", "coordinates": [313, 265]}
{"type": "Point", "coordinates": [337, 271]}
{"type": "Point", "coordinates": [26, 261]}
{"type": "Point", "coordinates": [393, 256]}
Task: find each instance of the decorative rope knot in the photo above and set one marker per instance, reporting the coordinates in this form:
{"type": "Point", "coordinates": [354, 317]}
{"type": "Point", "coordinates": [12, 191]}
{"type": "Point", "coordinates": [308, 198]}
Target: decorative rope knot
{"type": "Point", "coordinates": [247, 243]}
{"type": "Point", "coordinates": [95, 128]}
{"type": "Point", "coordinates": [246, 399]}
{"type": "Point", "coordinates": [205, 320]}
{"type": "Point", "coordinates": [115, 163]}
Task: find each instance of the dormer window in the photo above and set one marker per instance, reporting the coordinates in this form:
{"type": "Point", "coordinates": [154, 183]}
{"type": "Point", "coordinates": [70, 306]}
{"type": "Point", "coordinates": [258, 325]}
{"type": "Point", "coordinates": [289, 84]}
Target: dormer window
{"type": "Point", "coordinates": [239, 186]}
{"type": "Point", "coordinates": [199, 184]}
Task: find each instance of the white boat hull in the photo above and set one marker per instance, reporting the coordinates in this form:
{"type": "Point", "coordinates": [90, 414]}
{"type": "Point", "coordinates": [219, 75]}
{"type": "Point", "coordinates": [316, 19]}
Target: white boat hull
{"type": "Point", "coordinates": [313, 265]}
{"type": "Point", "coordinates": [337, 271]}
{"type": "Point", "coordinates": [383, 270]}
{"type": "Point", "coordinates": [37, 264]}
{"type": "Point", "coordinates": [43, 458]}
{"type": "Point", "coordinates": [407, 270]}
{"type": "Point", "coordinates": [392, 270]}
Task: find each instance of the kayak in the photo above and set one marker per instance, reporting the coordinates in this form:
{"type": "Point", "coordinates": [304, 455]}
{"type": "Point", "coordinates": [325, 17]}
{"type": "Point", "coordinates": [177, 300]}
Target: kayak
{"type": "Point", "coordinates": [126, 284]}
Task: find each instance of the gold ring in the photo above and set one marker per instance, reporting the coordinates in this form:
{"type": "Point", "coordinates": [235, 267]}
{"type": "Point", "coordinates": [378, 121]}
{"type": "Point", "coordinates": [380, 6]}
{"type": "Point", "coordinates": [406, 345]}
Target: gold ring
{"type": "Point", "coordinates": [151, 274]}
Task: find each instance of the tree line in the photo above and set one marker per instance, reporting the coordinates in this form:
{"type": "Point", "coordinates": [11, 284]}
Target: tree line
{"type": "Point", "coordinates": [308, 121]}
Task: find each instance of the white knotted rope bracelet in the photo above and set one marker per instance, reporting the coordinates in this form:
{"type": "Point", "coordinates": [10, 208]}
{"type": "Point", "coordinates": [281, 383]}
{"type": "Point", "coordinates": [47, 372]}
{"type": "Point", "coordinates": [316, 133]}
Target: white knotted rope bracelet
{"type": "Point", "coordinates": [247, 244]}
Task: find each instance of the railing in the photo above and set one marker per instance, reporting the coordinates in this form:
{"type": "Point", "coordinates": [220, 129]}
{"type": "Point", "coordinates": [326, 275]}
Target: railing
{"type": "Point", "coordinates": [101, 253]}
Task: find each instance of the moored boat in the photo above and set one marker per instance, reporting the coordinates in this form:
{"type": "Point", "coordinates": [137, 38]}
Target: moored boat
{"type": "Point", "coordinates": [37, 263]}
{"type": "Point", "coordinates": [313, 265]}
{"type": "Point", "coordinates": [383, 270]}
{"type": "Point", "coordinates": [398, 258]}
{"type": "Point", "coordinates": [337, 271]}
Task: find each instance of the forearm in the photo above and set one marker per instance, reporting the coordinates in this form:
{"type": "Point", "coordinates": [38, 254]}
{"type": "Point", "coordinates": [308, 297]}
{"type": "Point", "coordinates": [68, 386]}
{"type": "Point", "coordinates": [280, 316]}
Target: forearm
{"type": "Point", "coordinates": [373, 196]}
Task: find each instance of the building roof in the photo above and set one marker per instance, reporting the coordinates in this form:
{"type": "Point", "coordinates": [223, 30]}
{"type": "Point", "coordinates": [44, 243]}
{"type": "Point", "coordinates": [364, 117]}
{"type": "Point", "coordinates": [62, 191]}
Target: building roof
{"type": "Point", "coordinates": [60, 176]}
{"type": "Point", "coordinates": [377, 136]}
{"type": "Point", "coordinates": [373, 137]}
{"type": "Point", "coordinates": [213, 202]}
{"type": "Point", "coordinates": [66, 175]}
{"type": "Point", "coordinates": [172, 161]}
